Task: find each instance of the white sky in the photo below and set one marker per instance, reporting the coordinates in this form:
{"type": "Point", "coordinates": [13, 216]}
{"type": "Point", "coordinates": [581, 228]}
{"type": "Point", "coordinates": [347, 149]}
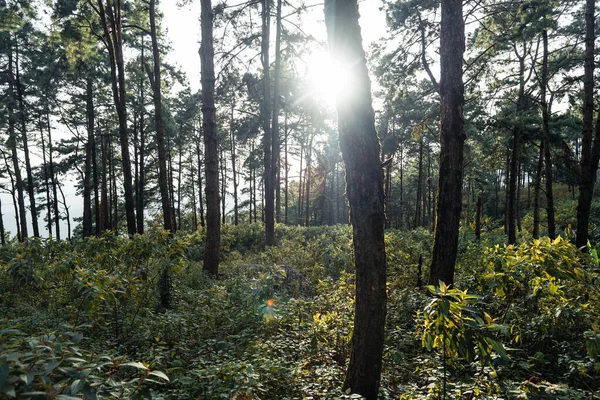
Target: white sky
{"type": "Point", "coordinates": [183, 33]}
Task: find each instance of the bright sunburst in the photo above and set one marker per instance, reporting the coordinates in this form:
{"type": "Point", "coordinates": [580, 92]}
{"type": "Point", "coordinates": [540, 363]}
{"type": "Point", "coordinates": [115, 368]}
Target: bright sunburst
{"type": "Point", "coordinates": [325, 78]}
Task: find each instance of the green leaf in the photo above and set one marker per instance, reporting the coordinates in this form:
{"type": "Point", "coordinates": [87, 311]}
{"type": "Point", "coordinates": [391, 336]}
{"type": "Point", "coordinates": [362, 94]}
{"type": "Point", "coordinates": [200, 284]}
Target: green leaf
{"type": "Point", "coordinates": [8, 389]}
{"type": "Point", "coordinates": [3, 373]}
{"type": "Point", "coordinates": [160, 374]}
{"type": "Point", "coordinates": [135, 364]}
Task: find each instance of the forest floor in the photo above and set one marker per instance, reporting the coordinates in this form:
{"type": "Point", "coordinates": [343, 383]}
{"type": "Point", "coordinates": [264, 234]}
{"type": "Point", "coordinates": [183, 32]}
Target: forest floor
{"type": "Point", "coordinates": [113, 317]}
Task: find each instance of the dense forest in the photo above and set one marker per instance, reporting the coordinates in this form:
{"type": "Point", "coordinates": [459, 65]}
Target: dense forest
{"type": "Point", "coordinates": [324, 218]}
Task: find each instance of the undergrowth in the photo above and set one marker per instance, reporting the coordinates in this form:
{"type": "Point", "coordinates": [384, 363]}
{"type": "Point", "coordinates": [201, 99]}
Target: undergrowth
{"type": "Point", "coordinates": [85, 319]}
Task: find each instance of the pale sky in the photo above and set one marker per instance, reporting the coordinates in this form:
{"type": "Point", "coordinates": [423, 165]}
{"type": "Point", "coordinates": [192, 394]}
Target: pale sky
{"type": "Point", "coordinates": [183, 32]}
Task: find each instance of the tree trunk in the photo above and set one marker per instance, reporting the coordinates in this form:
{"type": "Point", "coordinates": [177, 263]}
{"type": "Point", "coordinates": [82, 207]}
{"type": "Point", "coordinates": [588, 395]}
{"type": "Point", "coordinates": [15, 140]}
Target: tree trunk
{"type": "Point", "coordinates": [269, 193]}
{"type": "Point", "coordinates": [13, 193]}
{"type": "Point", "coordinates": [536, 193]}
{"type": "Point", "coordinates": [155, 81]}
{"type": "Point", "coordinates": [275, 141]}
{"type": "Point", "coordinates": [308, 178]}
{"type": "Point", "coordinates": [364, 187]}
{"type": "Point", "coordinates": [234, 170]}
{"type": "Point", "coordinates": [46, 180]}
{"type": "Point", "coordinates": [114, 42]}
{"type": "Point", "coordinates": [104, 205]}
{"type": "Point", "coordinates": [478, 216]}
{"type": "Point", "coordinates": [12, 144]}
{"type": "Point", "coordinates": [141, 184]}
{"type": "Point", "coordinates": [419, 203]}
{"type": "Point", "coordinates": [546, 134]}
{"type": "Point", "coordinates": [452, 137]}
{"type": "Point", "coordinates": [28, 170]}
{"type": "Point", "coordinates": [201, 201]}
{"type": "Point", "coordinates": [287, 169]}
{"type": "Point", "coordinates": [511, 217]}
{"type": "Point", "coordinates": [87, 176]}
{"type": "Point", "coordinates": [53, 178]}
{"type": "Point", "coordinates": [589, 150]}
{"type": "Point", "coordinates": [209, 127]}
{"type": "Point", "coordinates": [97, 211]}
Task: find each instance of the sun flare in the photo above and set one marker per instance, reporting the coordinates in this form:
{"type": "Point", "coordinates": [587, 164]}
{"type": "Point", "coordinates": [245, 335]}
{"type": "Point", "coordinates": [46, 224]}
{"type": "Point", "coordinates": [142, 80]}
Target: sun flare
{"type": "Point", "coordinates": [326, 78]}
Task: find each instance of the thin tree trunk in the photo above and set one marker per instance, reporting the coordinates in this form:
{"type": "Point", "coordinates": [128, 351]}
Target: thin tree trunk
{"type": "Point", "coordinates": [536, 193]}
{"type": "Point", "coordinates": [53, 177]}
{"type": "Point", "coordinates": [419, 203]}
{"type": "Point", "coordinates": [209, 128]}
{"type": "Point", "coordinates": [13, 193]}
{"type": "Point", "coordinates": [155, 81]}
{"type": "Point", "coordinates": [46, 181]}
{"type": "Point", "coordinates": [114, 43]}
{"type": "Point", "coordinates": [546, 134]}
{"type": "Point", "coordinates": [478, 216]}
{"type": "Point", "coordinates": [201, 201]}
{"type": "Point", "coordinates": [12, 144]}
{"type": "Point", "coordinates": [87, 178]}
{"type": "Point", "coordinates": [67, 214]}
{"type": "Point", "coordinates": [269, 193]}
{"type": "Point", "coordinates": [104, 205]}
{"type": "Point", "coordinates": [511, 214]}
{"type": "Point", "coordinates": [275, 141]}
{"type": "Point", "coordinates": [308, 178]}
{"type": "Point", "coordinates": [141, 184]}
{"type": "Point", "coordinates": [287, 168]}
{"type": "Point", "coordinates": [28, 170]}
{"type": "Point", "coordinates": [234, 170]}
{"type": "Point", "coordinates": [2, 233]}
{"type": "Point", "coordinates": [98, 213]}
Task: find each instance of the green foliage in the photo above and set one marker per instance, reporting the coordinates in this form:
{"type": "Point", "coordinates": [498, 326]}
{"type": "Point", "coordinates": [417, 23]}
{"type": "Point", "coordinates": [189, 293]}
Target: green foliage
{"type": "Point", "coordinates": [55, 366]}
{"type": "Point", "coordinates": [277, 322]}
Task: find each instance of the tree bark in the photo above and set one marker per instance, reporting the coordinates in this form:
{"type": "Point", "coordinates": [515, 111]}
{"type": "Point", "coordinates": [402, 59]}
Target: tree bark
{"type": "Point", "coordinates": [546, 135]}
{"type": "Point", "coordinates": [452, 137]}
{"type": "Point", "coordinates": [211, 154]}
{"type": "Point", "coordinates": [536, 193]}
{"type": "Point", "coordinates": [114, 43]}
{"type": "Point", "coordinates": [28, 170]}
{"type": "Point", "coordinates": [275, 141]}
{"type": "Point", "coordinates": [364, 185]}
{"type": "Point", "coordinates": [12, 144]}
{"type": "Point", "coordinates": [516, 154]}
{"type": "Point", "coordinates": [590, 146]}
{"type": "Point", "coordinates": [269, 193]}
{"type": "Point", "coordinates": [155, 81]}
{"type": "Point", "coordinates": [87, 176]}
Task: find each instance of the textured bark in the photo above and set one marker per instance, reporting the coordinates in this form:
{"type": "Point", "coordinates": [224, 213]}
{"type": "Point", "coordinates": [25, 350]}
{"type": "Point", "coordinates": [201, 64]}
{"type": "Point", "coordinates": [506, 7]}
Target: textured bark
{"type": "Point", "coordinates": [236, 217]}
{"type": "Point", "coordinates": [87, 175]}
{"type": "Point", "coordinates": [28, 170]}
{"type": "Point", "coordinates": [364, 187]}
{"type": "Point", "coordinates": [478, 216]}
{"type": "Point", "coordinates": [211, 159]}
{"type": "Point", "coordinates": [452, 137]}
{"type": "Point", "coordinates": [46, 180]}
{"type": "Point", "coordinates": [12, 144]}
{"type": "Point", "coordinates": [275, 140]}
{"type": "Point", "coordinates": [104, 206]}
{"type": "Point", "coordinates": [53, 178]}
{"type": "Point", "coordinates": [269, 193]}
{"type": "Point", "coordinates": [536, 193]}
{"type": "Point", "coordinates": [200, 199]}
{"type": "Point", "coordinates": [515, 156]}
{"type": "Point", "coordinates": [111, 24]}
{"type": "Point", "coordinates": [141, 176]}
{"type": "Point", "coordinates": [546, 135]}
{"type": "Point", "coordinates": [589, 151]}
